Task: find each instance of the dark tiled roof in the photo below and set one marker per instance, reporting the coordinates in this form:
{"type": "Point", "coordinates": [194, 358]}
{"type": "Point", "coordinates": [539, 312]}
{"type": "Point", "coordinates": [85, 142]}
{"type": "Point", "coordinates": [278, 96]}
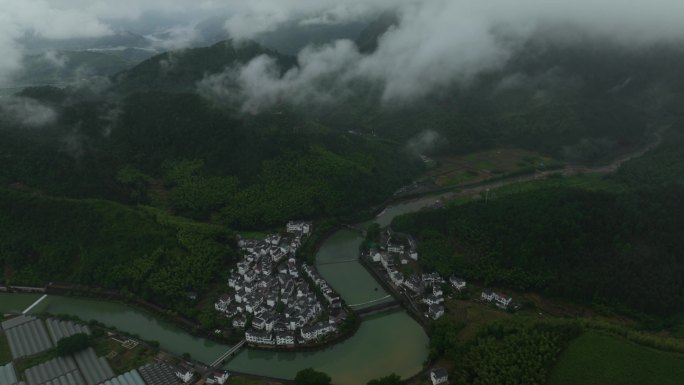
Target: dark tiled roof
{"type": "Point", "coordinates": [130, 378]}
{"type": "Point", "coordinates": [158, 374]}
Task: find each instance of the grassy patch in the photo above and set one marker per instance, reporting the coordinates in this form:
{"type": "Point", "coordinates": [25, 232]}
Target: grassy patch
{"type": "Point", "coordinates": [254, 234]}
{"type": "Point", "coordinates": [591, 182]}
{"type": "Point", "coordinates": [485, 165]}
{"type": "Point", "coordinates": [5, 353]}
{"type": "Point", "coordinates": [678, 330]}
{"type": "Point", "coordinates": [421, 382]}
{"type": "Point", "coordinates": [27, 363]}
{"type": "Point", "coordinates": [249, 381]}
{"type": "Point", "coordinates": [600, 359]}
{"type": "Point", "coordinates": [123, 360]}
{"type": "Point", "coordinates": [473, 315]}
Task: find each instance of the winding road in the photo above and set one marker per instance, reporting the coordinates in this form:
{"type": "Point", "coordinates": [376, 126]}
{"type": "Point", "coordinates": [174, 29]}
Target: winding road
{"type": "Point", "coordinates": [569, 170]}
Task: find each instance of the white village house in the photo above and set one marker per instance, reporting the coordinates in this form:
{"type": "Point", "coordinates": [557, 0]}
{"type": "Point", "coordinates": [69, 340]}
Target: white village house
{"type": "Point", "coordinates": [457, 283]}
{"type": "Point", "coordinates": [219, 377]}
{"type": "Point", "coordinates": [185, 374]}
{"type": "Point", "coordinates": [500, 300]}
{"type": "Point", "coordinates": [439, 376]}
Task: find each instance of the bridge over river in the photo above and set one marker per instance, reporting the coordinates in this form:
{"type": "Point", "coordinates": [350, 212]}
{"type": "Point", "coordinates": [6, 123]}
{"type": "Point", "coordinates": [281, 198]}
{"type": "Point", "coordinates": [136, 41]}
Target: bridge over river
{"type": "Point", "coordinates": [338, 262]}
{"type": "Point", "coordinates": [219, 361]}
{"type": "Point", "coordinates": [382, 306]}
{"type": "Point", "coordinates": [357, 305]}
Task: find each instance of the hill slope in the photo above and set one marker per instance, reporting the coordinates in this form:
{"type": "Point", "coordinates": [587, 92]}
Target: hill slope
{"type": "Point", "coordinates": [181, 70]}
{"type": "Point", "coordinates": [104, 244]}
{"type": "Point", "coordinates": [620, 249]}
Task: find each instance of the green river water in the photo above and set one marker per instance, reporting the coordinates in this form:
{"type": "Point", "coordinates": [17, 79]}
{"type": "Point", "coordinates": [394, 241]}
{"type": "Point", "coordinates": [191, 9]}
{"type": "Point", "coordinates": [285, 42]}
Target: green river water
{"type": "Point", "coordinates": [390, 342]}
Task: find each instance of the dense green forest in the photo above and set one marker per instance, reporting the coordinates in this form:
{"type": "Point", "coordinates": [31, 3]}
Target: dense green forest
{"type": "Point", "coordinates": [619, 247]}
{"type": "Point", "coordinates": [519, 352]}
{"type": "Point", "coordinates": [283, 166]}
{"type": "Point", "coordinates": [152, 140]}
{"type": "Point", "coordinates": [103, 244]}
{"type": "Point", "coordinates": [661, 166]}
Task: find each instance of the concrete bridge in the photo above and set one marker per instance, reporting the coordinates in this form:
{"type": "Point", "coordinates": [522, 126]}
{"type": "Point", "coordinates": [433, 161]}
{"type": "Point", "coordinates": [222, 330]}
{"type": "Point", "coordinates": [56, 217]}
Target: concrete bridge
{"type": "Point", "coordinates": [336, 262]}
{"type": "Point", "coordinates": [356, 228]}
{"type": "Point", "coordinates": [394, 304]}
{"type": "Point", "coordinates": [229, 353]}
{"type": "Point", "coordinates": [28, 309]}
{"type": "Point", "coordinates": [370, 302]}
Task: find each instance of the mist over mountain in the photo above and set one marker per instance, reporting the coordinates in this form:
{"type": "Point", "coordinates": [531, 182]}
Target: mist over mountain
{"type": "Point", "coordinates": [534, 148]}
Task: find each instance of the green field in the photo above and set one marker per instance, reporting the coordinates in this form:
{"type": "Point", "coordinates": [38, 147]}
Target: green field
{"type": "Point", "coordinates": [474, 315]}
{"type": "Point", "coordinates": [248, 381]}
{"type": "Point", "coordinates": [5, 355]}
{"type": "Point", "coordinates": [483, 165]}
{"type": "Point", "coordinates": [600, 359]}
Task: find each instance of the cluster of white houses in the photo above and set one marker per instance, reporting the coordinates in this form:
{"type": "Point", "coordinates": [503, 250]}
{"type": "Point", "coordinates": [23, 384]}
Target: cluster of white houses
{"type": "Point", "coordinates": [271, 299]}
{"type": "Point", "coordinates": [395, 248]}
{"type": "Point", "coordinates": [502, 301]}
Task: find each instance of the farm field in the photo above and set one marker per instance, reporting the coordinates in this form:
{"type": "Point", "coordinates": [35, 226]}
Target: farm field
{"type": "Point", "coordinates": [5, 354]}
{"type": "Point", "coordinates": [595, 358]}
{"type": "Point", "coordinates": [248, 381]}
{"type": "Point", "coordinates": [484, 165]}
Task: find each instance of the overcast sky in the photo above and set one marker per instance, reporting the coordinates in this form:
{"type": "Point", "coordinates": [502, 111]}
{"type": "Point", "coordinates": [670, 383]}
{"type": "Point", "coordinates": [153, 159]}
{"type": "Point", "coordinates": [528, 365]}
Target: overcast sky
{"type": "Point", "coordinates": [437, 41]}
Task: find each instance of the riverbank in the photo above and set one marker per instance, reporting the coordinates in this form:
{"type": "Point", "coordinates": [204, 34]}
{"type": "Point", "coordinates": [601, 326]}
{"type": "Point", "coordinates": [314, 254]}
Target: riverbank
{"type": "Point", "coordinates": [317, 346]}
{"type": "Point", "coordinates": [405, 303]}
{"type": "Point", "coordinates": [167, 356]}
{"type": "Point", "coordinates": [189, 326]}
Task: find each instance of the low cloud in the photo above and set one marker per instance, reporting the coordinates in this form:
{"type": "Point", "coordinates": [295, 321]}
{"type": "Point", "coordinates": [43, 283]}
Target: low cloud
{"type": "Point", "coordinates": [322, 76]}
{"type": "Point", "coordinates": [26, 112]}
{"type": "Point", "coordinates": [426, 142]}
{"type": "Point", "coordinates": [43, 19]}
{"type": "Point", "coordinates": [55, 58]}
{"type": "Point", "coordinates": [255, 17]}
{"type": "Point", "coordinates": [436, 45]}
{"type": "Point", "coordinates": [175, 38]}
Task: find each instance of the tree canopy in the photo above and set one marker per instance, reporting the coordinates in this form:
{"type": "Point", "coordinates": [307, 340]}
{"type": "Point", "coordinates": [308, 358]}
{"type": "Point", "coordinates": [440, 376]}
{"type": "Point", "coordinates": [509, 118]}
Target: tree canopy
{"type": "Point", "coordinates": [310, 376]}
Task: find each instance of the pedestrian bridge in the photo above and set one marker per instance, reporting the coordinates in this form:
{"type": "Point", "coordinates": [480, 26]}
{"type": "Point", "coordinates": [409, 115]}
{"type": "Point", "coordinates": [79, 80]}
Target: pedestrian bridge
{"type": "Point", "coordinates": [229, 353]}
{"type": "Point", "coordinates": [370, 302]}
{"type": "Point", "coordinates": [336, 262]}
{"type": "Point", "coordinates": [378, 307]}
{"type": "Point", "coordinates": [28, 309]}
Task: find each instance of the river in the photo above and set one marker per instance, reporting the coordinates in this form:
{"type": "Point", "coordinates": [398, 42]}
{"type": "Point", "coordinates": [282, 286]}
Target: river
{"type": "Point", "coordinates": [390, 342]}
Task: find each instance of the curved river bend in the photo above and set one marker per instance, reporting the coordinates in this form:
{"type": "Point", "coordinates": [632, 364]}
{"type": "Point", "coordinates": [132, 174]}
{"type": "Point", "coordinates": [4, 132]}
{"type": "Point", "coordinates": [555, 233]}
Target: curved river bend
{"type": "Point", "coordinates": [385, 343]}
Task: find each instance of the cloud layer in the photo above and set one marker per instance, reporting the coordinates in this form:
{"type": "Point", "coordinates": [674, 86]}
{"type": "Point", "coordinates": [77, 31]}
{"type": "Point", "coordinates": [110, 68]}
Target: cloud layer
{"type": "Point", "coordinates": [438, 42]}
{"type": "Point", "coordinates": [25, 112]}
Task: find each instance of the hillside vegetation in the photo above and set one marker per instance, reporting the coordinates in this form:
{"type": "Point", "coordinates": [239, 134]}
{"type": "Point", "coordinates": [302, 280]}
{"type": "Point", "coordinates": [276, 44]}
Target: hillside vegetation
{"type": "Point", "coordinates": [104, 244]}
{"type": "Point", "coordinates": [153, 140]}
{"type": "Point", "coordinates": [618, 248]}
{"type": "Point", "coordinates": [598, 359]}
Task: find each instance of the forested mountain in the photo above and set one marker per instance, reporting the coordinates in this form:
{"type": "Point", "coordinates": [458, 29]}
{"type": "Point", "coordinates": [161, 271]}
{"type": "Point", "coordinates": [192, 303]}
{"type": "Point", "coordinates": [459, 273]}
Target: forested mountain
{"type": "Point", "coordinates": [180, 71]}
{"type": "Point", "coordinates": [65, 67]}
{"type": "Point", "coordinates": [152, 139]}
{"type": "Point", "coordinates": [104, 244]}
{"type": "Point", "coordinates": [580, 102]}
{"type": "Point", "coordinates": [619, 247]}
